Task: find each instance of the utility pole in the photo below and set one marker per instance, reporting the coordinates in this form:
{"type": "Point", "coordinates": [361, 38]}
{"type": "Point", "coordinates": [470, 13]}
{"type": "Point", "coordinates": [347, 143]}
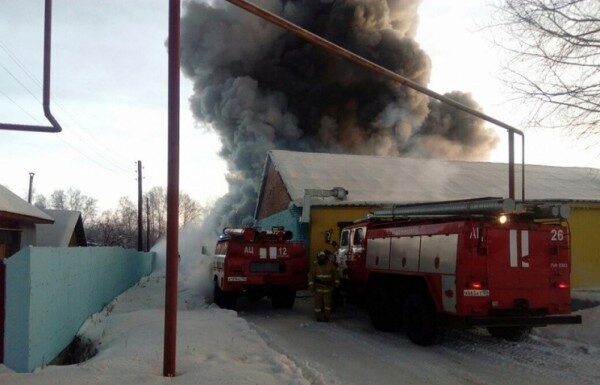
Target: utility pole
{"type": "Point", "coordinates": [140, 242]}
{"type": "Point", "coordinates": [30, 194]}
{"type": "Point", "coordinates": [147, 224]}
{"type": "Point", "coordinates": [170, 340]}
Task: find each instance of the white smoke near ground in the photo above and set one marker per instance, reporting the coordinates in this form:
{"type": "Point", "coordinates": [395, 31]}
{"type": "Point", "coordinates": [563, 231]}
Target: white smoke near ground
{"type": "Point", "coordinates": [196, 246]}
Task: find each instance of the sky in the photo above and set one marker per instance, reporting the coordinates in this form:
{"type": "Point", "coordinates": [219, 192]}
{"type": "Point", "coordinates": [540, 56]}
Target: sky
{"type": "Point", "coordinates": [109, 91]}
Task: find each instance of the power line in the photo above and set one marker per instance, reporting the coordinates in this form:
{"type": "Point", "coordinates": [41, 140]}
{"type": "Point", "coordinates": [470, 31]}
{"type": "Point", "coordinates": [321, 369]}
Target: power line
{"type": "Point", "coordinates": [85, 155]}
{"type": "Point", "coordinates": [58, 136]}
{"type": "Point", "coordinates": [20, 64]}
{"type": "Point", "coordinates": [22, 85]}
{"type": "Point", "coordinates": [94, 140]}
{"type": "Point", "coordinates": [114, 164]}
{"type": "Point", "coordinates": [21, 108]}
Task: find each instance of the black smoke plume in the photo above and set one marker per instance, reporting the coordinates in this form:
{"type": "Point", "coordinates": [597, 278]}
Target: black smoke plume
{"type": "Point", "coordinates": [261, 88]}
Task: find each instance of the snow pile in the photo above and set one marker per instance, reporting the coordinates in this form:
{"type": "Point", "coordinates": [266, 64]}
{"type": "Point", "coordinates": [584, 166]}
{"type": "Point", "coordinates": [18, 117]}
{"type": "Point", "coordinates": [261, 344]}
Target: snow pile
{"type": "Point", "coordinates": [588, 333]}
{"type": "Point", "coordinates": [214, 346]}
{"type": "Point", "coordinates": [194, 266]}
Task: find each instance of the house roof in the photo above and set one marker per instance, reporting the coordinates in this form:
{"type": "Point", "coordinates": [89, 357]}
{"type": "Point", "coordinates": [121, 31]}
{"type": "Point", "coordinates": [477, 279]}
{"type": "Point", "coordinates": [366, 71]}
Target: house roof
{"type": "Point", "coordinates": [382, 180]}
{"type": "Point", "coordinates": [59, 233]}
{"type": "Point", "coordinates": [14, 207]}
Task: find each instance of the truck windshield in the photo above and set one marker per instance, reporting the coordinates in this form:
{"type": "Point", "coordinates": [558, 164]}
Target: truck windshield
{"type": "Point", "coordinates": [345, 238]}
{"type": "Point", "coordinates": [221, 248]}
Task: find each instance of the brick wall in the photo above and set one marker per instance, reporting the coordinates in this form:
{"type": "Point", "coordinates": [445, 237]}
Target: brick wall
{"type": "Point", "coordinates": [274, 197]}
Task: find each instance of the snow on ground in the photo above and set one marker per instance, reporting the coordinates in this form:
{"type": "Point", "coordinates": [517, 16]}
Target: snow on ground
{"type": "Point", "coordinates": [349, 351]}
{"type": "Point", "coordinates": [260, 345]}
{"type": "Point", "coordinates": [214, 346]}
{"type": "Point", "coordinates": [586, 335]}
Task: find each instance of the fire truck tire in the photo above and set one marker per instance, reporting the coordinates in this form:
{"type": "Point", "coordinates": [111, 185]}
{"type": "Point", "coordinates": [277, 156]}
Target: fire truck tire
{"type": "Point", "coordinates": [380, 311]}
{"type": "Point", "coordinates": [254, 295]}
{"type": "Point", "coordinates": [420, 320]}
{"type": "Point", "coordinates": [515, 333]}
{"type": "Point", "coordinates": [223, 299]}
{"type": "Point", "coordinates": [283, 299]}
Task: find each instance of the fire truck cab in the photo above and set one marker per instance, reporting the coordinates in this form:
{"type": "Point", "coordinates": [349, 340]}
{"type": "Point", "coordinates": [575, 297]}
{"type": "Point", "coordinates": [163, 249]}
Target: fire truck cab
{"type": "Point", "coordinates": [422, 269]}
{"type": "Point", "coordinates": [258, 263]}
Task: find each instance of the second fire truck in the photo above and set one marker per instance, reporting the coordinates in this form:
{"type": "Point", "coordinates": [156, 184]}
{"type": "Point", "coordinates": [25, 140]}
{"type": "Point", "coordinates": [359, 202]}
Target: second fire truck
{"type": "Point", "coordinates": [257, 263]}
{"type": "Point", "coordinates": [486, 262]}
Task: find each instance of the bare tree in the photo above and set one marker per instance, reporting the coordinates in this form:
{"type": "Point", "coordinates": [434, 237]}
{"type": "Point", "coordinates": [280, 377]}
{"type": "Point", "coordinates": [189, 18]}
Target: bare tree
{"type": "Point", "coordinates": [118, 227]}
{"type": "Point", "coordinates": [554, 61]}
{"type": "Point", "coordinates": [189, 211]}
{"type": "Point", "coordinates": [157, 200]}
{"type": "Point", "coordinates": [105, 231]}
{"type": "Point", "coordinates": [58, 200]}
{"type": "Point", "coordinates": [40, 201]}
{"type": "Point", "coordinates": [74, 200]}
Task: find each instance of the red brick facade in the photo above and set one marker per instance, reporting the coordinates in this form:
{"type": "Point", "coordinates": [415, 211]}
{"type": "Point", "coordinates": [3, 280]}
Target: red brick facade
{"type": "Point", "coordinates": [274, 197]}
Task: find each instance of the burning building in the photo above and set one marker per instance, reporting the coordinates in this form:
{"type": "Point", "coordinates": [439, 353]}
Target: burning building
{"type": "Point", "coordinates": [378, 181]}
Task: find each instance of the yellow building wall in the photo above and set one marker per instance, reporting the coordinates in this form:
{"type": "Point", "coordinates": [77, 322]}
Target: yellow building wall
{"type": "Point", "coordinates": [584, 222]}
{"type": "Point", "coordinates": [325, 218]}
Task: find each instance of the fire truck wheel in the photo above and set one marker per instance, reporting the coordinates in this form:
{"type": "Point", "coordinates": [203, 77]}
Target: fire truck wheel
{"type": "Point", "coordinates": [420, 320]}
{"type": "Point", "coordinates": [283, 299]}
{"type": "Point", "coordinates": [222, 299]}
{"type": "Point", "coordinates": [510, 333]}
{"type": "Point", "coordinates": [380, 311]}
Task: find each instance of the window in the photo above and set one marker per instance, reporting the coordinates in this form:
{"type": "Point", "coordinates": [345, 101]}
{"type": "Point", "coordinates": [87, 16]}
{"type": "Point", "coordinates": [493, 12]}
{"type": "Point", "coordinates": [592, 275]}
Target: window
{"type": "Point", "coordinates": [345, 238]}
{"type": "Point", "coordinates": [221, 248]}
{"type": "Point", "coordinates": [11, 239]}
{"type": "Point", "coordinates": [358, 236]}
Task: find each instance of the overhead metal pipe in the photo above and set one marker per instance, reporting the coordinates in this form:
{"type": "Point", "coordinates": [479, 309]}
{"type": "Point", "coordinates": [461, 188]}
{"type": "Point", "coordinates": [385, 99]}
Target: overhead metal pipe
{"type": "Point", "coordinates": [55, 126]}
{"type": "Point", "coordinates": [489, 206]}
{"type": "Point", "coordinates": [351, 56]}
{"type": "Point", "coordinates": [170, 338]}
{"type": "Point", "coordinates": [338, 193]}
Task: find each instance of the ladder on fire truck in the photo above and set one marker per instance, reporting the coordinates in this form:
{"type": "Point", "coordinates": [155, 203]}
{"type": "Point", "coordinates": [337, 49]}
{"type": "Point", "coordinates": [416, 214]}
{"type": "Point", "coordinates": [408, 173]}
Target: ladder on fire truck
{"type": "Point", "coordinates": [488, 206]}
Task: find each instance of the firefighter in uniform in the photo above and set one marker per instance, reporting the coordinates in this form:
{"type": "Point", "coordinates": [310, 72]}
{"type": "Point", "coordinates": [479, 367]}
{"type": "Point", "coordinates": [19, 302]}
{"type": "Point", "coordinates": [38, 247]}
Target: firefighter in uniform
{"type": "Point", "coordinates": [322, 279]}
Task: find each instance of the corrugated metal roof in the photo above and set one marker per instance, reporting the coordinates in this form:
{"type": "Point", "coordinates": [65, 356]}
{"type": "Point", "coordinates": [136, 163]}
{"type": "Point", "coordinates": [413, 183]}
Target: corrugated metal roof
{"type": "Point", "coordinates": [11, 203]}
{"type": "Point", "coordinates": [59, 233]}
{"type": "Point", "coordinates": [381, 180]}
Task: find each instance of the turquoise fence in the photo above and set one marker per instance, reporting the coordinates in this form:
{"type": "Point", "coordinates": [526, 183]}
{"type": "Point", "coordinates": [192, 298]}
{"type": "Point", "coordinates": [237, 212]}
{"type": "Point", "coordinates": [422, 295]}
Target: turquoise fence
{"type": "Point", "coordinates": [50, 292]}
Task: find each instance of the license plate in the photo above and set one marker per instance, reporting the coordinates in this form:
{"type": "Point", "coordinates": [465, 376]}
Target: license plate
{"type": "Point", "coordinates": [476, 293]}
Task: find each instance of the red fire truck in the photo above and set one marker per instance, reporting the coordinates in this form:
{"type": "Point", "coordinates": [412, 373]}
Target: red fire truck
{"type": "Point", "coordinates": [258, 263]}
{"type": "Point", "coordinates": [486, 262]}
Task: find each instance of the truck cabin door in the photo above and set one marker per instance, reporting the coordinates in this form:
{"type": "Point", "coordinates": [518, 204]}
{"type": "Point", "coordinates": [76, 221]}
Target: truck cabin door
{"type": "Point", "coordinates": [356, 253]}
{"type": "Point", "coordinates": [342, 254]}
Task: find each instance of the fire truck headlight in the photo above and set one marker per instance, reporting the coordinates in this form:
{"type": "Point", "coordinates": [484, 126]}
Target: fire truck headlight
{"type": "Point", "coordinates": [502, 219]}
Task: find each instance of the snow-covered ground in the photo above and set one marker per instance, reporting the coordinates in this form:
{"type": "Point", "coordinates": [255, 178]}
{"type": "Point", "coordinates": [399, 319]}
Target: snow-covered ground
{"type": "Point", "coordinates": [214, 346]}
{"type": "Point", "coordinates": [350, 351]}
{"type": "Point", "coordinates": [259, 345]}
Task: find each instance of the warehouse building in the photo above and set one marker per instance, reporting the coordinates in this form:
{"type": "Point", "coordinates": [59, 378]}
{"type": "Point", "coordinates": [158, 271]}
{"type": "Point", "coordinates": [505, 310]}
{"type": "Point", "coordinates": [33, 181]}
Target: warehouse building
{"type": "Point", "coordinates": [375, 181]}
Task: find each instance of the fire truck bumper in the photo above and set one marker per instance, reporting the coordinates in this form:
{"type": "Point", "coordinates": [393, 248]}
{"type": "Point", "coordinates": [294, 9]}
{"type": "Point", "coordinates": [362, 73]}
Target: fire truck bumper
{"type": "Point", "coordinates": [523, 320]}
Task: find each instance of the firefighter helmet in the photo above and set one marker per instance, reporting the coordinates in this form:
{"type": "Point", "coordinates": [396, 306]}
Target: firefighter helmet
{"type": "Point", "coordinates": [321, 258]}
